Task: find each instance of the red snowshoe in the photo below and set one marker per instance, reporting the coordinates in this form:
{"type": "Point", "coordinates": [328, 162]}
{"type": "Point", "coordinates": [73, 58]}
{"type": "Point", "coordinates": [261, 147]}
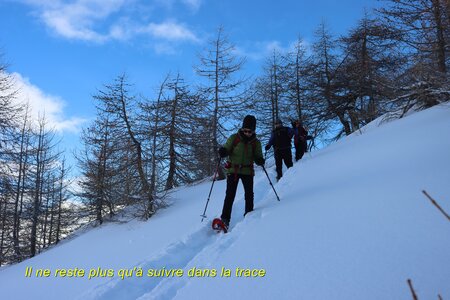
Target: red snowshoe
{"type": "Point", "coordinates": [218, 225]}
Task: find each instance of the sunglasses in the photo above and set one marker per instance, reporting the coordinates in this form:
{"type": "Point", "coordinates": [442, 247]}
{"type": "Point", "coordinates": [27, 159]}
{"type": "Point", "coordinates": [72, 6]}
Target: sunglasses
{"type": "Point", "coordinates": [247, 131]}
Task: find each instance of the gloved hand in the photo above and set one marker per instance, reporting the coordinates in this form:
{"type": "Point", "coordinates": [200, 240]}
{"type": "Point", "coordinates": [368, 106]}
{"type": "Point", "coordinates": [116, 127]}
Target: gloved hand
{"type": "Point", "coordinates": [260, 161]}
{"type": "Point", "coordinates": [267, 147]}
{"type": "Point", "coordinates": [223, 152]}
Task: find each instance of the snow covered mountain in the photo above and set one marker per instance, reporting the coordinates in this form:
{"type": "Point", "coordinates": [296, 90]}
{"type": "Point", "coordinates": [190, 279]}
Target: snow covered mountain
{"type": "Point", "coordinates": [352, 223]}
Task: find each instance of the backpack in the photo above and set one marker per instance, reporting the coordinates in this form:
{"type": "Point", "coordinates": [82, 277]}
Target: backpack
{"type": "Point", "coordinates": [229, 165]}
{"type": "Point", "coordinates": [282, 139]}
{"type": "Point", "coordinates": [236, 141]}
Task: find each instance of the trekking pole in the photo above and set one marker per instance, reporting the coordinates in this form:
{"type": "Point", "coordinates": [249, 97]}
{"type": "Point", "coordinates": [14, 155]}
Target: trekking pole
{"type": "Point", "coordinates": [212, 185]}
{"type": "Point", "coordinates": [278, 198]}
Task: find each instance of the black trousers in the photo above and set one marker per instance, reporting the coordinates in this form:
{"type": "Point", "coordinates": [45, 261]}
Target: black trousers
{"type": "Point", "coordinates": [299, 150]}
{"type": "Point", "coordinates": [280, 156]}
{"type": "Point", "coordinates": [232, 184]}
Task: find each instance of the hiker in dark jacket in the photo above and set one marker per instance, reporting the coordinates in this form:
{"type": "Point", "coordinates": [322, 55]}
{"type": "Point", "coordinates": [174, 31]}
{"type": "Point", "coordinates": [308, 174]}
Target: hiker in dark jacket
{"type": "Point", "coordinates": [281, 142]}
{"type": "Point", "coordinates": [300, 139]}
{"type": "Point", "coordinates": [242, 148]}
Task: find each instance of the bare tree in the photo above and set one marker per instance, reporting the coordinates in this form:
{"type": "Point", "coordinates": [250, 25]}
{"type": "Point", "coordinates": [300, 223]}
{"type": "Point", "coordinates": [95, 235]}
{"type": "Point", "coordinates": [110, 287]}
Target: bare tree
{"type": "Point", "coordinates": [28, 167]}
{"type": "Point", "coordinates": [151, 127]}
{"type": "Point", "coordinates": [45, 161]}
{"type": "Point", "coordinates": [22, 158]}
{"type": "Point", "coordinates": [5, 217]}
{"type": "Point", "coordinates": [422, 26]}
{"type": "Point", "coordinates": [118, 102]}
{"type": "Point", "coordinates": [326, 64]}
{"type": "Point", "coordinates": [296, 73]}
{"type": "Point", "coordinates": [9, 111]}
{"type": "Point", "coordinates": [178, 120]}
{"type": "Point", "coordinates": [270, 98]}
{"type": "Point", "coordinates": [367, 75]}
{"type": "Point", "coordinates": [223, 92]}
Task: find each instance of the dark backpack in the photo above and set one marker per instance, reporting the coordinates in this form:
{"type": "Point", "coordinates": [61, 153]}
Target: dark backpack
{"type": "Point", "coordinates": [281, 138]}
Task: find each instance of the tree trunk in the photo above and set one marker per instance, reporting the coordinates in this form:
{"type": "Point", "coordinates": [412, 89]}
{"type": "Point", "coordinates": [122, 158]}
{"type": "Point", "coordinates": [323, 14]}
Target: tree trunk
{"type": "Point", "coordinates": [275, 79]}
{"type": "Point", "coordinates": [297, 86]}
{"type": "Point", "coordinates": [172, 155]}
{"type": "Point", "coordinates": [145, 186]}
{"type": "Point", "coordinates": [20, 186]}
{"type": "Point", "coordinates": [37, 192]}
{"type": "Point", "coordinates": [441, 43]}
{"type": "Point", "coordinates": [3, 225]}
{"type": "Point", "coordinates": [155, 134]}
{"type": "Point", "coordinates": [215, 145]}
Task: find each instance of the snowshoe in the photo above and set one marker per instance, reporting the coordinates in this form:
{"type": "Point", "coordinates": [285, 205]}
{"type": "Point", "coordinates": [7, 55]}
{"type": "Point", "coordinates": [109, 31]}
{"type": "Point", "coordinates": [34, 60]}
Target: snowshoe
{"type": "Point", "coordinates": [219, 225]}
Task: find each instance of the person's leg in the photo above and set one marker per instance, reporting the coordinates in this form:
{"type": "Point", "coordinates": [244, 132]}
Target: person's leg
{"type": "Point", "coordinates": [305, 146]}
{"type": "Point", "coordinates": [232, 183]}
{"type": "Point", "coordinates": [279, 163]}
{"type": "Point", "coordinates": [301, 152]}
{"type": "Point", "coordinates": [288, 158]}
{"type": "Point", "coordinates": [298, 152]}
{"type": "Point", "coordinates": [247, 181]}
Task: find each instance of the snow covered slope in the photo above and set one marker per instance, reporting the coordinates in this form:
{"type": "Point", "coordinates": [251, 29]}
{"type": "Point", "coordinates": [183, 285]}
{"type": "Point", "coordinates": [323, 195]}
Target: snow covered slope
{"type": "Point", "coordinates": [352, 223]}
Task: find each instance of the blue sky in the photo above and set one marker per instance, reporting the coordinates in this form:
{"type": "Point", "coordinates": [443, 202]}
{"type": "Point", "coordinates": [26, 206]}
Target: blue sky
{"type": "Point", "coordinates": [61, 51]}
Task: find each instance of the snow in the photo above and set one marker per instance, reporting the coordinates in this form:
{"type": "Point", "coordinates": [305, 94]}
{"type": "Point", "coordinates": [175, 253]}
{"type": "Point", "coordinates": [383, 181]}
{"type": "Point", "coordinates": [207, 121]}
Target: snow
{"type": "Point", "coordinates": [352, 223]}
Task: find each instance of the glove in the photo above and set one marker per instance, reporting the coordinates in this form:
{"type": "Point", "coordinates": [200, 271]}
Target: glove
{"type": "Point", "coordinates": [260, 161]}
{"type": "Point", "coordinates": [267, 147]}
{"type": "Point", "coordinates": [223, 152]}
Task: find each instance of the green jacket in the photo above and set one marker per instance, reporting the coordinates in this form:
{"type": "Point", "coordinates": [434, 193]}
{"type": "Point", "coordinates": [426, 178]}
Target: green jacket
{"type": "Point", "coordinates": [241, 156]}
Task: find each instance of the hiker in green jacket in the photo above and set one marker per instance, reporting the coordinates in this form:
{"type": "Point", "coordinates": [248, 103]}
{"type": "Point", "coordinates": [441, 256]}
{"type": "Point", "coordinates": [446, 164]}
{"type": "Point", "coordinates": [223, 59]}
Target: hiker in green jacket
{"type": "Point", "coordinates": [243, 149]}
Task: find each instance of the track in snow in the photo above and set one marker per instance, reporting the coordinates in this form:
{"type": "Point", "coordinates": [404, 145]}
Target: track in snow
{"type": "Point", "coordinates": [197, 249]}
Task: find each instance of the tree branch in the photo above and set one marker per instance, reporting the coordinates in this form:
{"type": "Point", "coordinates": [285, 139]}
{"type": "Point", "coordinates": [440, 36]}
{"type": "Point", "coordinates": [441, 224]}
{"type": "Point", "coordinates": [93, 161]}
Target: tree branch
{"type": "Point", "coordinates": [436, 204]}
{"type": "Point", "coordinates": [412, 290]}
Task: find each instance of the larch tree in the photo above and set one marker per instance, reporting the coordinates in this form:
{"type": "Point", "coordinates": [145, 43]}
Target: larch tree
{"type": "Point", "coordinates": [222, 91]}
{"type": "Point", "coordinates": [422, 26]}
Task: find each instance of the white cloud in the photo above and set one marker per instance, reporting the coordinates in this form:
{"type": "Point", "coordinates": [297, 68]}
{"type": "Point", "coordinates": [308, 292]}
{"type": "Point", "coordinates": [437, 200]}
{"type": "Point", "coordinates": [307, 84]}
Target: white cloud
{"type": "Point", "coordinates": [164, 48]}
{"type": "Point", "coordinates": [193, 4]}
{"type": "Point", "coordinates": [260, 50]}
{"type": "Point", "coordinates": [168, 31]}
{"type": "Point", "coordinates": [76, 20]}
{"type": "Point", "coordinates": [263, 50]}
{"type": "Point", "coordinates": [103, 20]}
{"type": "Point", "coordinates": [65, 27]}
{"type": "Point", "coordinates": [41, 104]}
{"type": "Point", "coordinates": [171, 31]}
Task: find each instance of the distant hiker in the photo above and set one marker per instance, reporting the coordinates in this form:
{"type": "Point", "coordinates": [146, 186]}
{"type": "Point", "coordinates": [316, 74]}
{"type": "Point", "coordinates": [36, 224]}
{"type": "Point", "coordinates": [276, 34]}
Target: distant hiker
{"type": "Point", "coordinates": [300, 139]}
{"type": "Point", "coordinates": [242, 148]}
{"type": "Point", "coordinates": [281, 141]}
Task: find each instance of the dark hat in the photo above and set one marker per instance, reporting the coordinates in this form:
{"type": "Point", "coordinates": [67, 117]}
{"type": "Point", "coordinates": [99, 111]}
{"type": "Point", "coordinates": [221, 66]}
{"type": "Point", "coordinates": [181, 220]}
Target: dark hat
{"type": "Point", "coordinates": [249, 122]}
{"type": "Point", "coordinates": [278, 122]}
